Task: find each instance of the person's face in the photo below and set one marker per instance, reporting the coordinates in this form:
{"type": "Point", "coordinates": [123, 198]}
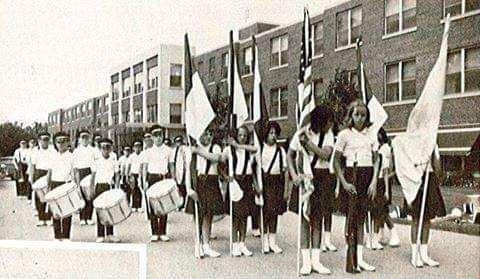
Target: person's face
{"type": "Point", "coordinates": [32, 143]}
{"type": "Point", "coordinates": [106, 149]}
{"type": "Point", "coordinates": [23, 145]}
{"type": "Point", "coordinates": [157, 138]}
{"type": "Point", "coordinates": [359, 116]}
{"type": "Point", "coordinates": [272, 136]}
{"type": "Point", "coordinates": [126, 152]}
{"type": "Point", "coordinates": [242, 136]}
{"type": "Point", "coordinates": [43, 142]}
{"type": "Point", "coordinates": [85, 139]}
{"type": "Point", "coordinates": [206, 138]}
{"type": "Point", "coordinates": [137, 149]}
{"type": "Point", "coordinates": [62, 144]}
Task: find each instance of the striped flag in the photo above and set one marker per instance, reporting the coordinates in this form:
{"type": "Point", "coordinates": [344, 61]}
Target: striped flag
{"type": "Point", "coordinates": [238, 104]}
{"type": "Point", "coordinates": [305, 100]}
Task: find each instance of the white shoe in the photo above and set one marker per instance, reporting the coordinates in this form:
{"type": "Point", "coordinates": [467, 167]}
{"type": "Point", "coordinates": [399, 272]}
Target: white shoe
{"type": "Point", "coordinates": [273, 245]}
{"type": "Point", "coordinates": [41, 224]}
{"type": "Point", "coordinates": [35, 213]}
{"type": "Point", "coordinates": [199, 251]}
{"type": "Point", "coordinates": [375, 242]}
{"type": "Point", "coordinates": [113, 238]}
{"type": "Point", "coordinates": [134, 210]}
{"type": "Point", "coordinates": [236, 250]}
{"type": "Point", "coordinates": [164, 238]}
{"type": "Point", "coordinates": [256, 233]}
{"type": "Point", "coordinates": [100, 239]}
{"type": "Point", "coordinates": [210, 252]}
{"type": "Point", "coordinates": [323, 248]}
{"type": "Point", "coordinates": [244, 250]}
{"type": "Point", "coordinates": [361, 263]}
{"type": "Point", "coordinates": [140, 210]}
{"type": "Point", "coordinates": [394, 239]}
{"type": "Point", "coordinates": [266, 244]}
{"type": "Point", "coordinates": [90, 222]}
{"type": "Point", "coordinates": [154, 238]}
{"type": "Point", "coordinates": [317, 266]}
{"type": "Point", "coordinates": [49, 223]}
{"type": "Point", "coordinates": [83, 222]}
{"type": "Point", "coordinates": [425, 258]}
{"type": "Point", "coordinates": [415, 259]}
{"type": "Point", "coordinates": [328, 244]}
{"type": "Point", "coordinates": [66, 240]}
{"type": "Point", "coordinates": [306, 262]}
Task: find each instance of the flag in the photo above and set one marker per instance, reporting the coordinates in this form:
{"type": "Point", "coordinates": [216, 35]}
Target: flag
{"type": "Point", "coordinates": [413, 149]}
{"type": "Point", "coordinates": [198, 110]}
{"type": "Point", "coordinates": [238, 103]}
{"type": "Point", "coordinates": [378, 115]}
{"type": "Point", "coordinates": [305, 99]}
{"type": "Point", "coordinates": [259, 107]}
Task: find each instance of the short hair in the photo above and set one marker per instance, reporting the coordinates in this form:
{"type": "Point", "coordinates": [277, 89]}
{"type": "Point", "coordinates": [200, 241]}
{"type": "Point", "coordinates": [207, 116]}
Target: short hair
{"type": "Point", "coordinates": [105, 140]}
{"type": "Point", "coordinates": [137, 143]}
{"type": "Point", "coordinates": [319, 117]}
{"type": "Point", "coordinates": [156, 127]}
{"type": "Point", "coordinates": [84, 131]}
{"type": "Point", "coordinates": [351, 108]}
{"type": "Point", "coordinates": [43, 134]}
{"type": "Point", "coordinates": [178, 138]}
{"type": "Point", "coordinates": [147, 135]}
{"type": "Point", "coordinates": [60, 134]}
{"type": "Point", "coordinates": [274, 125]}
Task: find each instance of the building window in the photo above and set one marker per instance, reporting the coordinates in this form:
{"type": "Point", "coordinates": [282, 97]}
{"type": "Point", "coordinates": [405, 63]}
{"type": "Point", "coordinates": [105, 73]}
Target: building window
{"type": "Point", "coordinates": [137, 115]}
{"type": "Point", "coordinates": [463, 70]}
{"type": "Point", "coordinates": [175, 113]}
{"type": "Point", "coordinates": [115, 91]}
{"type": "Point", "coordinates": [318, 38]}
{"type": "Point", "coordinates": [247, 61]}
{"type": "Point", "coordinates": [400, 15]}
{"type": "Point", "coordinates": [138, 77]}
{"type": "Point", "coordinates": [224, 65]}
{"type": "Point", "coordinates": [175, 75]}
{"type": "Point", "coordinates": [400, 81]}
{"type": "Point", "coordinates": [152, 113]}
{"type": "Point", "coordinates": [115, 119]}
{"type": "Point", "coordinates": [126, 116]}
{"type": "Point", "coordinates": [211, 69]}
{"type": "Point", "coordinates": [279, 51]}
{"type": "Point", "coordinates": [348, 26]}
{"type": "Point", "coordinates": [152, 75]}
{"type": "Point", "coordinates": [279, 102]}
{"type": "Point", "coordinates": [459, 7]}
{"type": "Point", "coordinates": [126, 83]}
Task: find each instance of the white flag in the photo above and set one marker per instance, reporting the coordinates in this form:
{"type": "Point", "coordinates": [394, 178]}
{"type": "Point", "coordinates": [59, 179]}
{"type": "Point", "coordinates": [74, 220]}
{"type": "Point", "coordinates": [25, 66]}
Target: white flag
{"type": "Point", "coordinates": [414, 148]}
{"type": "Point", "coordinates": [240, 108]}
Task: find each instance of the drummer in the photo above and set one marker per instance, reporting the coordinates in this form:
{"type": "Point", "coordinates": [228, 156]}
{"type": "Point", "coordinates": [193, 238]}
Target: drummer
{"type": "Point", "coordinates": [207, 190]}
{"type": "Point", "coordinates": [105, 171]}
{"type": "Point", "coordinates": [60, 172]}
{"type": "Point", "coordinates": [20, 160]}
{"type": "Point", "coordinates": [84, 156]}
{"type": "Point", "coordinates": [123, 165]}
{"type": "Point", "coordinates": [40, 161]}
{"type": "Point", "coordinates": [133, 172]}
{"type": "Point", "coordinates": [156, 160]}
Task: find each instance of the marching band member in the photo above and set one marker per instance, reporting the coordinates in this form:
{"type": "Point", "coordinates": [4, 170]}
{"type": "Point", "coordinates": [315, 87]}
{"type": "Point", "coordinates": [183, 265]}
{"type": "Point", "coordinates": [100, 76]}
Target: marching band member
{"type": "Point", "coordinates": [179, 166]}
{"type": "Point", "coordinates": [434, 207]}
{"type": "Point", "coordinates": [134, 172]}
{"type": "Point", "coordinates": [156, 159]}
{"type": "Point", "coordinates": [84, 158]}
{"type": "Point", "coordinates": [20, 160]}
{"type": "Point", "coordinates": [358, 179]}
{"type": "Point", "coordinates": [316, 143]}
{"type": "Point", "coordinates": [32, 148]}
{"type": "Point", "coordinates": [242, 155]}
{"type": "Point", "coordinates": [123, 165]}
{"type": "Point", "coordinates": [106, 170]}
{"type": "Point", "coordinates": [274, 166]}
{"type": "Point", "coordinates": [40, 161]}
{"type": "Point", "coordinates": [207, 189]}
{"type": "Point", "coordinates": [384, 195]}
{"type": "Point", "coordinates": [60, 172]}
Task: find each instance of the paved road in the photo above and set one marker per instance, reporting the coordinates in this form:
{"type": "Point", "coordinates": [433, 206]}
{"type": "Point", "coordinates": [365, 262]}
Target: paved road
{"type": "Point", "coordinates": [458, 254]}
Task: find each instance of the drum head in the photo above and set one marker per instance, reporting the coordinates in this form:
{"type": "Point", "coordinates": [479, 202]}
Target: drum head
{"type": "Point", "coordinates": [40, 183]}
{"type": "Point", "coordinates": [85, 182]}
{"type": "Point", "coordinates": [60, 191]}
{"type": "Point", "coordinates": [109, 198]}
{"type": "Point", "coordinates": [161, 188]}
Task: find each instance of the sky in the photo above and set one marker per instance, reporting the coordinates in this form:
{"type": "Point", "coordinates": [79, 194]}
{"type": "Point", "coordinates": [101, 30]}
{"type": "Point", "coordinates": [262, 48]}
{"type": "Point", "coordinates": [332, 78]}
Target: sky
{"type": "Point", "coordinates": [57, 53]}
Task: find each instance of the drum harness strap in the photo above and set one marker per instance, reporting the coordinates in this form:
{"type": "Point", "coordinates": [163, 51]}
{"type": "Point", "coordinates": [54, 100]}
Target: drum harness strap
{"type": "Point", "coordinates": [208, 165]}
{"type": "Point", "coordinates": [274, 159]}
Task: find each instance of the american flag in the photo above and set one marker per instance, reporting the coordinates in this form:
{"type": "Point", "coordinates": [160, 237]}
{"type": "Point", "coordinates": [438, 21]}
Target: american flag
{"type": "Point", "coordinates": [306, 100]}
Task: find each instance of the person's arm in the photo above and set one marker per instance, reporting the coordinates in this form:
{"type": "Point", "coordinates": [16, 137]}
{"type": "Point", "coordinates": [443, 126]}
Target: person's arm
{"type": "Point", "coordinates": [323, 153]}
{"type": "Point", "coordinates": [372, 188]}
{"type": "Point", "coordinates": [337, 165]}
{"type": "Point", "coordinates": [214, 157]}
{"type": "Point", "coordinates": [248, 147]}
{"type": "Point", "coordinates": [258, 176]}
{"type": "Point", "coordinates": [291, 155]}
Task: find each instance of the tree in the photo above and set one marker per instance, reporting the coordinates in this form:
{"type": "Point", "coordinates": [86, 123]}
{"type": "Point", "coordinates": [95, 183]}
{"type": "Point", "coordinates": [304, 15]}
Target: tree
{"type": "Point", "coordinates": [12, 133]}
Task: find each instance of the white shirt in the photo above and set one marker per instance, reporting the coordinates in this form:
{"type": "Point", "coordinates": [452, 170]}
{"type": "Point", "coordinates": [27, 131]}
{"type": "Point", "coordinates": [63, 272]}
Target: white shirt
{"type": "Point", "coordinates": [135, 161]}
{"type": "Point", "coordinates": [105, 169]}
{"type": "Point", "coordinates": [356, 146]}
{"type": "Point", "coordinates": [123, 162]}
{"type": "Point", "coordinates": [157, 159]}
{"type": "Point", "coordinates": [386, 154]}
{"type": "Point", "coordinates": [20, 155]}
{"type": "Point", "coordinates": [84, 157]}
{"type": "Point", "coordinates": [61, 165]}
{"type": "Point", "coordinates": [238, 169]}
{"type": "Point", "coordinates": [202, 162]}
{"type": "Point", "coordinates": [295, 145]}
{"type": "Point", "coordinates": [42, 158]}
{"type": "Point", "coordinates": [268, 153]}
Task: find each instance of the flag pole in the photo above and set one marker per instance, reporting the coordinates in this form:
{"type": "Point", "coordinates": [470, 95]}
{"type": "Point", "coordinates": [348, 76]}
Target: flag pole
{"type": "Point", "coordinates": [422, 211]}
{"type": "Point", "coordinates": [230, 125]}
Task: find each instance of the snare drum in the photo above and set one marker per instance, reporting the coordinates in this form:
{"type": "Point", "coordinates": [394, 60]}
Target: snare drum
{"type": "Point", "coordinates": [88, 189]}
{"type": "Point", "coordinates": [164, 197]}
{"type": "Point", "coordinates": [112, 207]}
{"type": "Point", "coordinates": [65, 200]}
{"type": "Point", "coordinates": [40, 187]}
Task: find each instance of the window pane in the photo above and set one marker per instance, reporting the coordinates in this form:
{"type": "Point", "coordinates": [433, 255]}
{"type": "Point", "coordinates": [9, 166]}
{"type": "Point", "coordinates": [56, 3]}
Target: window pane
{"type": "Point", "coordinates": [453, 78]}
{"type": "Point", "coordinates": [275, 45]}
{"type": "Point", "coordinates": [247, 60]}
{"type": "Point", "coordinates": [284, 45]}
{"type": "Point", "coordinates": [393, 24]}
{"type": "Point", "coordinates": [472, 69]}
{"type": "Point", "coordinates": [471, 5]}
{"type": "Point", "coordinates": [318, 39]}
{"type": "Point", "coordinates": [392, 82]}
{"type": "Point", "coordinates": [274, 103]}
{"type": "Point", "coordinates": [409, 14]}
{"type": "Point", "coordinates": [284, 57]}
{"type": "Point", "coordinates": [284, 102]}
{"type": "Point", "coordinates": [454, 7]}
{"type": "Point", "coordinates": [391, 7]}
{"type": "Point", "coordinates": [409, 82]}
{"type": "Point", "coordinates": [342, 29]}
{"type": "Point", "coordinates": [356, 23]}
{"type": "Point", "coordinates": [274, 62]}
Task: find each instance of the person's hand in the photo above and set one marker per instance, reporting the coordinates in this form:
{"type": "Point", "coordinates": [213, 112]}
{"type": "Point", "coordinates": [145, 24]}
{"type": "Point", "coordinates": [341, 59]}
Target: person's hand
{"type": "Point", "coordinates": [372, 190]}
{"type": "Point", "coordinates": [231, 141]}
{"type": "Point", "coordinates": [350, 188]}
{"type": "Point", "coordinates": [192, 194]}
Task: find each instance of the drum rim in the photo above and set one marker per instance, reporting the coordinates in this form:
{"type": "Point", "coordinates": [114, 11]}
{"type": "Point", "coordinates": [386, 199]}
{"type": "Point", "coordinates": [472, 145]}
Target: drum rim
{"type": "Point", "coordinates": [124, 196]}
{"type": "Point", "coordinates": [65, 194]}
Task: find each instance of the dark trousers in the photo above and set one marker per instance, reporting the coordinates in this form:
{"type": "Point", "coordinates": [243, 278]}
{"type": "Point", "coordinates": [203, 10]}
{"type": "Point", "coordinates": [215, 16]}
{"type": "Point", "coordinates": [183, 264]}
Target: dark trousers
{"type": "Point", "coordinates": [136, 194]}
{"type": "Point", "coordinates": [43, 214]}
{"type": "Point", "coordinates": [101, 229]}
{"type": "Point", "coordinates": [22, 188]}
{"type": "Point", "coordinates": [87, 212]}
{"type": "Point", "coordinates": [256, 220]}
{"type": "Point", "coordinates": [61, 226]}
{"type": "Point", "coordinates": [158, 224]}
{"type": "Point", "coordinates": [125, 185]}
